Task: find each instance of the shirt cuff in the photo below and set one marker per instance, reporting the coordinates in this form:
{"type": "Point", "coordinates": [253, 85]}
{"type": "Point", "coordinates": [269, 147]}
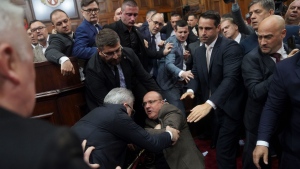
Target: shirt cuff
{"type": "Point", "coordinates": [212, 104]}
{"type": "Point", "coordinates": [179, 75]}
{"type": "Point", "coordinates": [63, 59]}
{"type": "Point", "coordinates": [170, 134]}
{"type": "Point", "coordinates": [262, 143]}
{"type": "Point", "coordinates": [190, 90]}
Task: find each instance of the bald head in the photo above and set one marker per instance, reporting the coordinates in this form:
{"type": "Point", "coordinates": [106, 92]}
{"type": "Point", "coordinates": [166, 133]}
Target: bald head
{"type": "Point", "coordinates": [271, 32]}
{"type": "Point", "coordinates": [292, 15]}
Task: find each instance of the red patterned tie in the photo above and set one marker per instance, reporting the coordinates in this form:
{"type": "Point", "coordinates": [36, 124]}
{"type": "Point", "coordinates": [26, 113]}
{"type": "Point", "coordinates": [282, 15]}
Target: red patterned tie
{"type": "Point", "coordinates": [276, 56]}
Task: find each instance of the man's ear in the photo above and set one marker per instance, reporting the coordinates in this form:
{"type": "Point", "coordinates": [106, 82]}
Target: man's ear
{"type": "Point", "coordinates": [8, 66]}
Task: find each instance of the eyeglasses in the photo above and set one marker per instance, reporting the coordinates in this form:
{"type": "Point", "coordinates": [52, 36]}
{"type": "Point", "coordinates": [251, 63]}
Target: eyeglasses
{"type": "Point", "coordinates": [89, 11]}
{"type": "Point", "coordinates": [150, 102]}
{"type": "Point", "coordinates": [38, 28]}
{"type": "Point", "coordinates": [132, 110]}
{"type": "Point", "coordinates": [111, 54]}
{"type": "Point", "coordinates": [158, 23]}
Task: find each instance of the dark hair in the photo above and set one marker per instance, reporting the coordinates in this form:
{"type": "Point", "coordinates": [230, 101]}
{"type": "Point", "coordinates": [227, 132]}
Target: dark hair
{"type": "Point", "coordinates": [266, 4]}
{"type": "Point", "coordinates": [211, 15]}
{"type": "Point", "coordinates": [34, 21]}
{"type": "Point", "coordinates": [174, 14]}
{"type": "Point", "coordinates": [56, 10]}
{"type": "Point", "coordinates": [180, 23]}
{"type": "Point", "coordinates": [130, 3]}
{"type": "Point", "coordinates": [85, 3]}
{"type": "Point", "coordinates": [192, 15]}
{"type": "Point", "coordinates": [106, 37]}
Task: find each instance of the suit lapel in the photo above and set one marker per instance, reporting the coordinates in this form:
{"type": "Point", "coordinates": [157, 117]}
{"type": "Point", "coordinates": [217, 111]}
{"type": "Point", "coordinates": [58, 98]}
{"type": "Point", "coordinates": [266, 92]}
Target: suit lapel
{"type": "Point", "coordinates": [268, 61]}
{"type": "Point", "coordinates": [125, 69]}
{"type": "Point", "coordinates": [108, 73]}
{"type": "Point", "coordinates": [215, 51]}
{"type": "Point", "coordinates": [202, 60]}
{"type": "Point", "coordinates": [298, 65]}
{"type": "Point", "coordinates": [91, 26]}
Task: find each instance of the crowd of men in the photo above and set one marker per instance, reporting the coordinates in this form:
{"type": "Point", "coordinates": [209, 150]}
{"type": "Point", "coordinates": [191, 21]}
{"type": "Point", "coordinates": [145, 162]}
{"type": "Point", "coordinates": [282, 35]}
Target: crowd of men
{"type": "Point", "coordinates": [241, 76]}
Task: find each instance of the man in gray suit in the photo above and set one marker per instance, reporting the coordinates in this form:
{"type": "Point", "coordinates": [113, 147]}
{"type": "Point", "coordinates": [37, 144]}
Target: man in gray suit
{"type": "Point", "coordinates": [184, 154]}
{"type": "Point", "coordinates": [172, 68]}
{"type": "Point", "coordinates": [61, 44]}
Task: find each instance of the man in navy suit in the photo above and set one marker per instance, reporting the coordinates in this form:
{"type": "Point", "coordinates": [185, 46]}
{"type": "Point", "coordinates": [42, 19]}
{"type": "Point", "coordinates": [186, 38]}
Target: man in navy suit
{"type": "Point", "coordinates": [84, 41]}
{"type": "Point", "coordinates": [283, 103]}
{"type": "Point", "coordinates": [257, 70]}
{"type": "Point", "coordinates": [172, 69]}
{"type": "Point", "coordinates": [217, 73]}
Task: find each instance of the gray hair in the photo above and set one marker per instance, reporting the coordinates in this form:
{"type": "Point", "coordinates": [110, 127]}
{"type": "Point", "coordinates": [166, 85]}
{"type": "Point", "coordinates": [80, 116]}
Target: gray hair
{"type": "Point", "coordinates": [266, 4]}
{"type": "Point", "coordinates": [12, 26]}
{"type": "Point", "coordinates": [119, 96]}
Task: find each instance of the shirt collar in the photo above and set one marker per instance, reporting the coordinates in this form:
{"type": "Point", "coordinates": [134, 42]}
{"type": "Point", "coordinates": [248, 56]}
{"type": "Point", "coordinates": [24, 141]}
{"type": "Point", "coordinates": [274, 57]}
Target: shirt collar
{"type": "Point", "coordinates": [212, 44]}
{"type": "Point", "coordinates": [238, 38]}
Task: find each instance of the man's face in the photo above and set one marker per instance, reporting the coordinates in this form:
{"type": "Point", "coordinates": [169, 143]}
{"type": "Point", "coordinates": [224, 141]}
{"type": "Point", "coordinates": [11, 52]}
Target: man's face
{"type": "Point", "coordinates": [31, 37]}
{"type": "Point", "coordinates": [173, 20]}
{"type": "Point", "coordinates": [155, 24]}
{"type": "Point", "coordinates": [192, 21]}
{"type": "Point", "coordinates": [257, 14]}
{"type": "Point", "coordinates": [117, 14]}
{"type": "Point", "coordinates": [229, 29]}
{"type": "Point", "coordinates": [129, 15]}
{"type": "Point", "coordinates": [292, 15]}
{"type": "Point", "coordinates": [182, 33]}
{"type": "Point", "coordinates": [111, 55]}
{"type": "Point", "coordinates": [61, 23]}
{"type": "Point", "coordinates": [152, 104]}
{"type": "Point", "coordinates": [270, 38]}
{"type": "Point", "coordinates": [208, 32]}
{"type": "Point", "coordinates": [91, 12]}
{"type": "Point", "coordinates": [39, 31]}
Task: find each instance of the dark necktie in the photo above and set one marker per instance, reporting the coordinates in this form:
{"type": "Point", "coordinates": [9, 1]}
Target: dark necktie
{"type": "Point", "coordinates": [97, 27]}
{"type": "Point", "coordinates": [276, 56]}
{"type": "Point", "coordinates": [119, 76]}
{"type": "Point", "coordinates": [152, 43]}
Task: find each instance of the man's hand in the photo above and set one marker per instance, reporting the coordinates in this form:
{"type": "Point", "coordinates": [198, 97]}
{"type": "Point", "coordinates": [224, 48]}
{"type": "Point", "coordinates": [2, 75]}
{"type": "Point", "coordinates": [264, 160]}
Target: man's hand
{"type": "Point", "coordinates": [294, 51]}
{"type": "Point", "coordinates": [174, 132]}
{"type": "Point", "coordinates": [199, 112]}
{"type": "Point", "coordinates": [161, 43]}
{"type": "Point", "coordinates": [259, 152]}
{"type": "Point", "coordinates": [187, 94]}
{"type": "Point", "coordinates": [186, 54]}
{"type": "Point", "coordinates": [187, 76]}
{"type": "Point", "coordinates": [87, 154]}
{"type": "Point", "coordinates": [146, 43]}
{"type": "Point", "coordinates": [168, 48]}
{"type": "Point", "coordinates": [67, 68]}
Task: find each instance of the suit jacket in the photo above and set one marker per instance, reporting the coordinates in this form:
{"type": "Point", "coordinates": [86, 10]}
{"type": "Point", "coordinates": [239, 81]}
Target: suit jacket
{"type": "Point", "coordinates": [192, 48]}
{"type": "Point", "coordinates": [283, 103]}
{"type": "Point", "coordinates": [170, 66]}
{"type": "Point", "coordinates": [34, 144]}
{"type": "Point", "coordinates": [109, 129]}
{"type": "Point", "coordinates": [145, 54]}
{"type": "Point", "coordinates": [224, 78]}
{"type": "Point", "coordinates": [257, 71]}
{"type": "Point", "coordinates": [184, 154]}
{"type": "Point", "coordinates": [84, 41]}
{"type": "Point", "coordinates": [168, 29]}
{"type": "Point", "coordinates": [59, 45]}
{"type": "Point", "coordinates": [100, 78]}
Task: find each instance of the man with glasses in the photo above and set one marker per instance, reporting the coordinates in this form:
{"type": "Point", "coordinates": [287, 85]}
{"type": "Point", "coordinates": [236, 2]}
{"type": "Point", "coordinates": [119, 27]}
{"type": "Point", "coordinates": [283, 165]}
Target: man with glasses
{"type": "Point", "coordinates": [33, 40]}
{"type": "Point", "coordinates": [61, 44]}
{"type": "Point", "coordinates": [114, 66]}
{"type": "Point", "coordinates": [40, 33]}
{"type": "Point", "coordinates": [84, 41]}
{"type": "Point", "coordinates": [154, 38]}
{"type": "Point", "coordinates": [184, 154]}
{"type": "Point", "coordinates": [110, 128]}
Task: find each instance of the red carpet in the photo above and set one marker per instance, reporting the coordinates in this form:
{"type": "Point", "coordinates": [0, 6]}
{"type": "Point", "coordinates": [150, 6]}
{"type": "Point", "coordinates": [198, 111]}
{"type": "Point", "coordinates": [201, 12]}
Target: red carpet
{"type": "Point", "coordinates": [210, 158]}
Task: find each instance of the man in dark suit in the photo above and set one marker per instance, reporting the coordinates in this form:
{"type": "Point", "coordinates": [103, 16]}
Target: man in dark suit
{"type": "Point", "coordinates": [217, 72]}
{"type": "Point", "coordinates": [192, 21]}
{"type": "Point", "coordinates": [114, 66]}
{"type": "Point", "coordinates": [84, 41]}
{"type": "Point", "coordinates": [230, 29]}
{"type": "Point", "coordinates": [172, 70]}
{"type": "Point", "coordinates": [61, 43]}
{"type": "Point", "coordinates": [110, 128]}
{"type": "Point", "coordinates": [131, 37]}
{"type": "Point", "coordinates": [257, 70]}
{"type": "Point", "coordinates": [184, 154]}
{"type": "Point", "coordinates": [283, 104]}
{"type": "Point", "coordinates": [27, 143]}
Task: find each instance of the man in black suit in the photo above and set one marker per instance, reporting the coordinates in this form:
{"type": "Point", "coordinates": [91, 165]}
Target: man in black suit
{"type": "Point", "coordinates": [257, 70]}
{"type": "Point", "coordinates": [110, 128]}
{"type": "Point", "coordinates": [219, 77]}
{"type": "Point", "coordinates": [115, 66]}
{"type": "Point", "coordinates": [192, 21]}
{"type": "Point", "coordinates": [131, 37]}
{"type": "Point", "coordinates": [283, 104]}
{"type": "Point", "coordinates": [61, 44]}
{"type": "Point", "coordinates": [27, 143]}
{"type": "Point", "coordinates": [230, 29]}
